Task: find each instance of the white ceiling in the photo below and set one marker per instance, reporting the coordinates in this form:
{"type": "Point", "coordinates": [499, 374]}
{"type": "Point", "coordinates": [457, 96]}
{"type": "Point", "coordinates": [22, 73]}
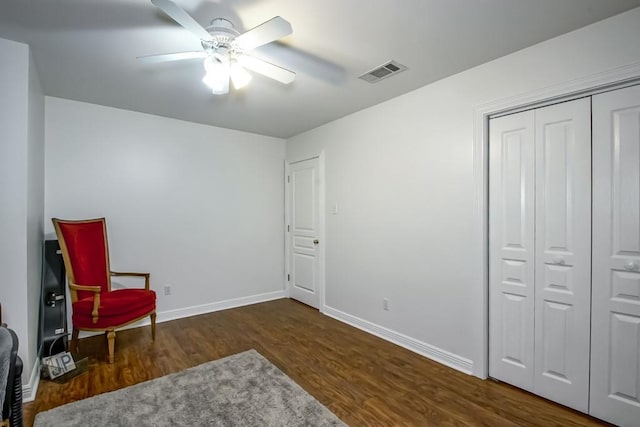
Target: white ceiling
{"type": "Point", "coordinates": [86, 50]}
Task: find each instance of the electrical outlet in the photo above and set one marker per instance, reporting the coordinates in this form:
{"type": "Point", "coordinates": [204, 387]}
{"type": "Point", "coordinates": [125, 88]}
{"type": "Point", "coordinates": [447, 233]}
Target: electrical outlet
{"type": "Point", "coordinates": [385, 304]}
{"type": "Point", "coordinates": [167, 289]}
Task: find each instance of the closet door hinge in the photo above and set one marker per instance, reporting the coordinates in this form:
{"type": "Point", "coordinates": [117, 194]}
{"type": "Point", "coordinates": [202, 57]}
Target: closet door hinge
{"type": "Point", "coordinates": [288, 228]}
{"type": "Point", "coordinates": [289, 178]}
{"type": "Point", "coordinates": [288, 277]}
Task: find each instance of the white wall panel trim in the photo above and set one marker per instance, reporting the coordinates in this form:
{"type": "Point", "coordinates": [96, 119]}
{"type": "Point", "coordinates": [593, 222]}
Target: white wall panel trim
{"type": "Point", "coordinates": [30, 390]}
{"type": "Point", "coordinates": [429, 351]}
{"type": "Point", "coordinates": [180, 313]}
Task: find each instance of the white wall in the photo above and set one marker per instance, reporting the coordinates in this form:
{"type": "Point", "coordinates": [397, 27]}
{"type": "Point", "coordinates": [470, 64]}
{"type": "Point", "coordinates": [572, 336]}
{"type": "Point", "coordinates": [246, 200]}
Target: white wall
{"type": "Point", "coordinates": [13, 153]}
{"type": "Point", "coordinates": [199, 207]}
{"type": "Point", "coordinates": [402, 175]}
{"type": "Point", "coordinates": [35, 206]}
{"type": "Point", "coordinates": [21, 197]}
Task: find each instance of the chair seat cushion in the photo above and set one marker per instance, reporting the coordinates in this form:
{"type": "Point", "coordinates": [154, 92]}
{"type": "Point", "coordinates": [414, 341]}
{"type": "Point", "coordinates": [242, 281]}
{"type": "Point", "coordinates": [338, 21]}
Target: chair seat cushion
{"type": "Point", "coordinates": [116, 308]}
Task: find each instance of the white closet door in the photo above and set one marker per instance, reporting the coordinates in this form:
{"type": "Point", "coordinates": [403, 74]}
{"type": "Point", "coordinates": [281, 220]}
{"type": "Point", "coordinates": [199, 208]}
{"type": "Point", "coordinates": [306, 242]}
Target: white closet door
{"type": "Point", "coordinates": [615, 353]}
{"type": "Point", "coordinates": [563, 252]}
{"type": "Point", "coordinates": [511, 248]}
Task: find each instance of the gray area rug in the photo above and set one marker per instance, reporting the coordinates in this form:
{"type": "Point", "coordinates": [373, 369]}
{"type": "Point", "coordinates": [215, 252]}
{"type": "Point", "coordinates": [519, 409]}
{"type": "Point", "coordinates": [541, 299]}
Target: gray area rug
{"type": "Point", "coordinates": [240, 390]}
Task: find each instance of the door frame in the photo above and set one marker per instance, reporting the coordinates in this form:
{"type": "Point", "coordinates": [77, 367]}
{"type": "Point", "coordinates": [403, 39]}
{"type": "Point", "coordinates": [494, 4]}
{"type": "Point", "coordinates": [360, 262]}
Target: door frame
{"type": "Point", "coordinates": [585, 86]}
{"type": "Point", "coordinates": [321, 226]}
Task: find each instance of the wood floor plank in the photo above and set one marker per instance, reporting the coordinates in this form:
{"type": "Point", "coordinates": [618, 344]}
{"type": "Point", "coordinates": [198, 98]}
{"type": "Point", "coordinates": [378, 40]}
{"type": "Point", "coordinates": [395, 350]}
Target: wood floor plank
{"type": "Point", "coordinates": [363, 379]}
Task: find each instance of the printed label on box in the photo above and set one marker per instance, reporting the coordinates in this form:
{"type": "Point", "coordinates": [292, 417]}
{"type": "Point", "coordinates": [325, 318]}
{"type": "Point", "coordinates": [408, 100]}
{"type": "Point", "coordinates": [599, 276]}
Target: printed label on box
{"type": "Point", "coordinates": [59, 364]}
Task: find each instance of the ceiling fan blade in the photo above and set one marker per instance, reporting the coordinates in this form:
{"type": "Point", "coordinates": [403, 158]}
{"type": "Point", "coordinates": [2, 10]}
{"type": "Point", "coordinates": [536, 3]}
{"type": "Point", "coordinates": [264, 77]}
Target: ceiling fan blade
{"type": "Point", "coordinates": [264, 33]}
{"type": "Point", "coordinates": [167, 57]}
{"type": "Point", "coordinates": [267, 69]}
{"type": "Point", "coordinates": [304, 62]}
{"type": "Point", "coordinates": [183, 18]}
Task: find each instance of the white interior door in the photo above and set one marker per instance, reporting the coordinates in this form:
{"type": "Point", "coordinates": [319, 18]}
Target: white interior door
{"type": "Point", "coordinates": [511, 248]}
{"type": "Point", "coordinates": [615, 353]}
{"type": "Point", "coordinates": [563, 252]}
{"type": "Point", "coordinates": [304, 231]}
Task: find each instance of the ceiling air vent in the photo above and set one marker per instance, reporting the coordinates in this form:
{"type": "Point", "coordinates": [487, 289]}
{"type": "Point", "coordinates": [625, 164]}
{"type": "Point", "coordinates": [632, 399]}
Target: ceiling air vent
{"type": "Point", "coordinates": [382, 72]}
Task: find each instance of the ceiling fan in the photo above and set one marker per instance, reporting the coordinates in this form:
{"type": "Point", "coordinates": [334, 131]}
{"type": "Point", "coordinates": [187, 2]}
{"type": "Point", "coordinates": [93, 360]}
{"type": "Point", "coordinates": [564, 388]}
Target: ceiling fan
{"type": "Point", "coordinates": [225, 49]}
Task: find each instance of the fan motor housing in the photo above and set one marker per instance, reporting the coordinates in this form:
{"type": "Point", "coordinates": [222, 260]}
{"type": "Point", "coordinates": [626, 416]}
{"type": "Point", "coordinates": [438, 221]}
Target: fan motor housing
{"type": "Point", "coordinates": [222, 33]}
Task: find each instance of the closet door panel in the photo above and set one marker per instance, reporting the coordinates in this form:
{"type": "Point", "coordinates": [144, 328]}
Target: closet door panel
{"type": "Point", "coordinates": [563, 252]}
{"type": "Point", "coordinates": [615, 355]}
{"type": "Point", "coordinates": [511, 237]}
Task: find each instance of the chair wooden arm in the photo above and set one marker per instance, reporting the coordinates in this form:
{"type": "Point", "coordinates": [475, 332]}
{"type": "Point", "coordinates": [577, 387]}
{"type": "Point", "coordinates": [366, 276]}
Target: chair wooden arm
{"type": "Point", "coordinates": [86, 288]}
{"type": "Point", "coordinates": [145, 275]}
{"type": "Point", "coordinates": [96, 297]}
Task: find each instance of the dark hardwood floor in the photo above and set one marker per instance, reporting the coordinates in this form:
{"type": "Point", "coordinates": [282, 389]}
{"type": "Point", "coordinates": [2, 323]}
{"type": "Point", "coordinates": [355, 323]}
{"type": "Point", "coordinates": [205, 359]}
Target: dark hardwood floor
{"type": "Point", "coordinates": [364, 380]}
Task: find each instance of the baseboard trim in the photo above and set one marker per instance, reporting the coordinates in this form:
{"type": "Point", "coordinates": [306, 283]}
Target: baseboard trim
{"type": "Point", "coordinates": [196, 310]}
{"type": "Point", "coordinates": [30, 390]}
{"type": "Point", "coordinates": [429, 351]}
{"type": "Point", "coordinates": [166, 316]}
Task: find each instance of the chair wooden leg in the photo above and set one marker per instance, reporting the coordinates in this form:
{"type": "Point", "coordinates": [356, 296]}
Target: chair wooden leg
{"type": "Point", "coordinates": [74, 340]}
{"type": "Point", "coordinates": [111, 337]}
{"type": "Point", "coordinates": [153, 325]}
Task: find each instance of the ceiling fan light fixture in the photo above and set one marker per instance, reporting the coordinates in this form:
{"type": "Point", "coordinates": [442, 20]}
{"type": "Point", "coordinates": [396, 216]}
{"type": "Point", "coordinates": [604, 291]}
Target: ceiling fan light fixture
{"type": "Point", "coordinates": [239, 76]}
{"type": "Point", "coordinates": [217, 75]}
{"type": "Point", "coordinates": [223, 46]}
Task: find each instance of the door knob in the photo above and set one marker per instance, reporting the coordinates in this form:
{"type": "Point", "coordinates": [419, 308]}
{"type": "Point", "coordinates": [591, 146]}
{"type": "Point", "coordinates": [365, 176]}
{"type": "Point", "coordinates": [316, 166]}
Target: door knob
{"type": "Point", "coordinates": [631, 266]}
{"type": "Point", "coordinates": [558, 260]}
{"type": "Point", "coordinates": [316, 241]}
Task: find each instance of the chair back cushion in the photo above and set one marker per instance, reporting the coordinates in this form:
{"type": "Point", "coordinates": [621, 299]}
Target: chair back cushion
{"type": "Point", "coordinates": [86, 253]}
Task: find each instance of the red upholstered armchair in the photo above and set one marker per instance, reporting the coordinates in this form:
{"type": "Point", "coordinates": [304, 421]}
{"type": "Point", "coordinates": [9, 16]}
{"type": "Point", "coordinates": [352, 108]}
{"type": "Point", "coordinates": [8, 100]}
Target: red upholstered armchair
{"type": "Point", "coordinates": [95, 306]}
